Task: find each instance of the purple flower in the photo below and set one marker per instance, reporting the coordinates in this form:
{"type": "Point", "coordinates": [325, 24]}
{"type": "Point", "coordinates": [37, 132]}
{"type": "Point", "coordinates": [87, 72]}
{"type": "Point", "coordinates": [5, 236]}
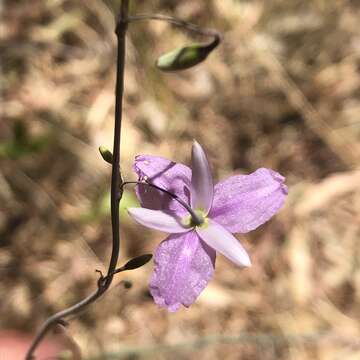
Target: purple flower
{"type": "Point", "coordinates": [185, 260]}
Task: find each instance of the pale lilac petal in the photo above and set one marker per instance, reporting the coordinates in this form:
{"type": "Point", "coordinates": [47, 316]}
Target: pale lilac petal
{"type": "Point", "coordinates": [224, 242]}
{"type": "Point", "coordinates": [158, 220]}
{"type": "Point", "coordinates": [184, 264]}
{"type": "Point", "coordinates": [242, 203]}
{"type": "Point", "coordinates": [166, 174]}
{"type": "Point", "coordinates": [202, 187]}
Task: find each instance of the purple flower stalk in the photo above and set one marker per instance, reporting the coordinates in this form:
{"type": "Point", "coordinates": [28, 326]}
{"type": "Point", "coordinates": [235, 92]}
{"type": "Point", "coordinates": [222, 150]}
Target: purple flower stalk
{"type": "Point", "coordinates": [185, 260]}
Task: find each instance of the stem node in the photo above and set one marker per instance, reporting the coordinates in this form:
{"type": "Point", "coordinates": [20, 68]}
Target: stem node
{"type": "Point", "coordinates": [104, 282]}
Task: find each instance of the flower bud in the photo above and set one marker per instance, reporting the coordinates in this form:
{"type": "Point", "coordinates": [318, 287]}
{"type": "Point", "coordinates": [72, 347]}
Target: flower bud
{"type": "Point", "coordinates": [106, 154]}
{"type": "Point", "coordinates": [186, 56]}
{"type": "Point", "coordinates": [137, 262]}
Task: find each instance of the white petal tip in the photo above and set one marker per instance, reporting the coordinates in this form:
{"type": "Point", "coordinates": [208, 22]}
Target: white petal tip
{"type": "Point", "coordinates": [196, 144]}
{"type": "Point", "coordinates": [247, 263]}
{"type": "Point", "coordinates": [243, 261]}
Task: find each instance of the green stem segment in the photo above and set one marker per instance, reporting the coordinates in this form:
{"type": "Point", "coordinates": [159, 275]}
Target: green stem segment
{"type": "Point", "coordinates": [121, 28]}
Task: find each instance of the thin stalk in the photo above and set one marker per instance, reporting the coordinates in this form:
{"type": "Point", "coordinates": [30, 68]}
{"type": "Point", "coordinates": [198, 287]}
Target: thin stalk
{"type": "Point", "coordinates": [120, 31]}
{"type": "Point", "coordinates": [195, 217]}
{"type": "Point", "coordinates": [180, 23]}
{"type": "Point", "coordinates": [121, 28]}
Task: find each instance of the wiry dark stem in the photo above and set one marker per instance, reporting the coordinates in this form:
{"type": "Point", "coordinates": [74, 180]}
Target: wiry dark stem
{"type": "Point", "coordinates": [116, 182]}
{"type": "Point", "coordinates": [121, 28]}
{"type": "Point", "coordinates": [115, 193]}
{"type": "Point", "coordinates": [196, 220]}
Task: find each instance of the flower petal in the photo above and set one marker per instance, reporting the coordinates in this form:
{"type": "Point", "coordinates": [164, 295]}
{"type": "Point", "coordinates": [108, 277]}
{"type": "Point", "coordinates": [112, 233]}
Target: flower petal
{"type": "Point", "coordinates": [166, 174]}
{"type": "Point", "coordinates": [242, 203]}
{"type": "Point", "coordinates": [184, 264]}
{"type": "Point", "coordinates": [224, 242]}
{"type": "Point", "coordinates": [202, 187]}
{"type": "Point", "coordinates": [158, 220]}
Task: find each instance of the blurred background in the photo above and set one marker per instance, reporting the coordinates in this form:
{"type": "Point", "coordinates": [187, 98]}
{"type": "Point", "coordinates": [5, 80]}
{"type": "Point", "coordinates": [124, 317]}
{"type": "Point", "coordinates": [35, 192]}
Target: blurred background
{"type": "Point", "coordinates": [281, 91]}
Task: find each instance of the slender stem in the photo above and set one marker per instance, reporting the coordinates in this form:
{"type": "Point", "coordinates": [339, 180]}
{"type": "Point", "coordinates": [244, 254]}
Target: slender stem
{"type": "Point", "coordinates": [180, 23]}
{"type": "Point", "coordinates": [115, 193]}
{"type": "Point", "coordinates": [121, 28]}
{"type": "Point", "coordinates": [195, 217]}
{"type": "Point", "coordinates": [116, 182]}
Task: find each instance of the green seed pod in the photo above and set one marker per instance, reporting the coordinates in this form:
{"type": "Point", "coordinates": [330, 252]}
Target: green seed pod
{"type": "Point", "coordinates": [106, 154]}
{"type": "Point", "coordinates": [186, 56]}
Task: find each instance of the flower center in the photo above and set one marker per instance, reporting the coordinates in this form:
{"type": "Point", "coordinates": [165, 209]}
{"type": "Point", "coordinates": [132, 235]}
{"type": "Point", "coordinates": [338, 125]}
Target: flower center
{"type": "Point", "coordinates": [191, 221]}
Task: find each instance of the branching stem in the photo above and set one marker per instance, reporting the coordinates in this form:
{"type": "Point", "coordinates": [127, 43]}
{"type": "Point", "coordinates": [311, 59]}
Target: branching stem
{"type": "Point", "coordinates": [116, 182]}
{"type": "Point", "coordinates": [121, 27]}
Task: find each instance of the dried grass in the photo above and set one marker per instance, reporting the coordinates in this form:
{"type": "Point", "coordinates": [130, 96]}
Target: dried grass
{"type": "Point", "coordinates": [282, 91]}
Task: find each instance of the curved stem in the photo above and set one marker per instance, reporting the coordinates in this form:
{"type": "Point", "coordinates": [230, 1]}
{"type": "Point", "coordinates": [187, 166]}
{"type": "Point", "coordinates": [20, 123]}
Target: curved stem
{"type": "Point", "coordinates": [116, 181]}
{"type": "Point", "coordinates": [115, 194]}
{"type": "Point", "coordinates": [195, 217]}
{"type": "Point", "coordinates": [180, 23]}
